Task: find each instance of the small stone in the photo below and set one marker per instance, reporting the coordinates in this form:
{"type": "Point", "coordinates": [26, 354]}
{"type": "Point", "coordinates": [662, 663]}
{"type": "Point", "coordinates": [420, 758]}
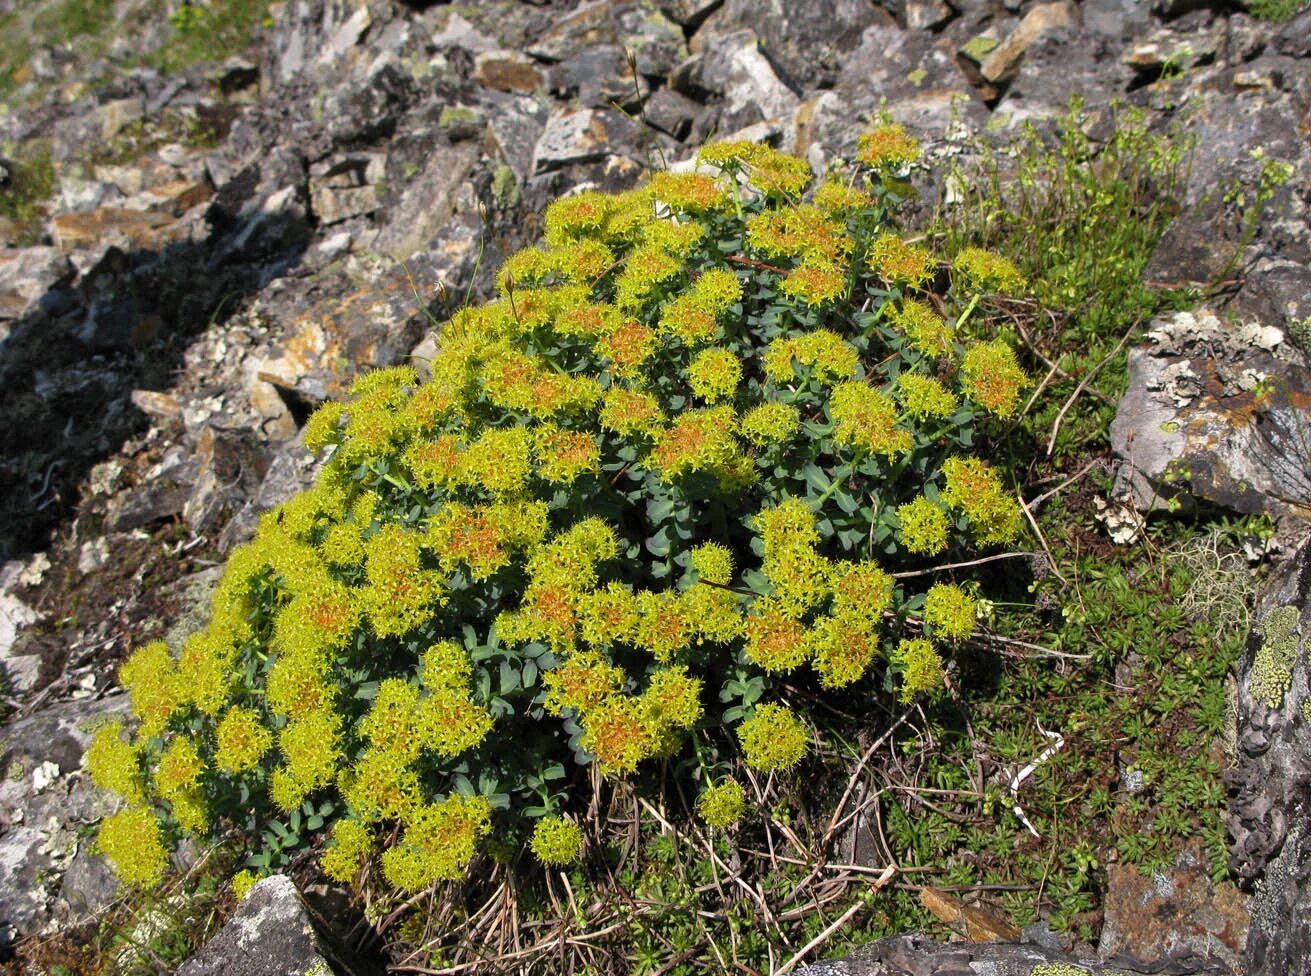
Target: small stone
{"type": "Point", "coordinates": [116, 115]}
{"type": "Point", "coordinates": [927, 14]}
{"type": "Point", "coordinates": [581, 136]}
{"type": "Point", "coordinates": [507, 71]}
{"type": "Point", "coordinates": [332, 206]}
{"type": "Point", "coordinates": [161, 406]}
{"type": "Point", "coordinates": [671, 112]}
{"type": "Point", "coordinates": [1002, 64]}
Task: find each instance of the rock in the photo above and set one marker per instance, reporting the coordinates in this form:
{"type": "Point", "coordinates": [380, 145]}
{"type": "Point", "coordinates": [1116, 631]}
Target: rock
{"type": "Point", "coordinates": [273, 933]}
{"type": "Point", "coordinates": [600, 77]}
{"type": "Point", "coordinates": [656, 42]}
{"type": "Point", "coordinates": [1213, 413]}
{"type": "Point", "coordinates": [40, 831]}
{"type": "Point", "coordinates": [332, 205]}
{"type": "Point", "coordinates": [230, 466]}
{"type": "Point", "coordinates": [927, 14]}
{"type": "Point", "coordinates": [1004, 62]}
{"type": "Point", "coordinates": [733, 69]}
{"type": "Point", "coordinates": [671, 112]}
{"type": "Point", "coordinates": [115, 226]}
{"type": "Point", "coordinates": [513, 128]}
{"type": "Point", "coordinates": [807, 44]}
{"type": "Point", "coordinates": [1171, 50]}
{"type": "Point", "coordinates": [916, 955]}
{"type": "Point", "coordinates": [582, 135]}
{"type": "Point", "coordinates": [425, 206]}
{"type": "Point", "coordinates": [1294, 38]}
{"type": "Point", "coordinates": [18, 671]}
{"type": "Point", "coordinates": [27, 275]}
{"type": "Point", "coordinates": [116, 115]}
{"type": "Point", "coordinates": [291, 470]}
{"type": "Point", "coordinates": [1173, 914]}
{"type": "Point", "coordinates": [507, 71]}
{"type": "Point", "coordinates": [1270, 783]}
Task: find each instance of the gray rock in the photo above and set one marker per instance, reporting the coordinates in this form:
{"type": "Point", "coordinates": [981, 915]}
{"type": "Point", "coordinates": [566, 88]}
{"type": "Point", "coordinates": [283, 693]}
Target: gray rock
{"type": "Point", "coordinates": [916, 955]}
{"type": "Point", "coordinates": [600, 77]}
{"type": "Point", "coordinates": [733, 69]}
{"type": "Point", "coordinates": [807, 44]}
{"type": "Point", "coordinates": [27, 275]}
{"type": "Point", "coordinates": [426, 203]}
{"type": "Point", "coordinates": [1294, 38]}
{"type": "Point", "coordinates": [1270, 783]}
{"type": "Point", "coordinates": [40, 832]}
{"type": "Point", "coordinates": [291, 471]}
{"type": "Point", "coordinates": [273, 933]}
{"type": "Point", "coordinates": [671, 112]}
{"type": "Point", "coordinates": [1004, 62]}
{"type": "Point", "coordinates": [583, 135]}
{"type": "Point", "coordinates": [1215, 413]}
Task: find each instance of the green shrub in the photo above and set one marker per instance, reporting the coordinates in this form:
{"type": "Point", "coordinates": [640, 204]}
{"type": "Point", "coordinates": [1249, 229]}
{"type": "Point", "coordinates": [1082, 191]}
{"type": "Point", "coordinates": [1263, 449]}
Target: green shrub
{"type": "Point", "coordinates": [664, 477]}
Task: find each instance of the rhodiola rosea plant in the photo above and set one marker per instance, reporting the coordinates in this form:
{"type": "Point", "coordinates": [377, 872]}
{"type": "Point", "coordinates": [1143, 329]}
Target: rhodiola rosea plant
{"type": "Point", "coordinates": [677, 463]}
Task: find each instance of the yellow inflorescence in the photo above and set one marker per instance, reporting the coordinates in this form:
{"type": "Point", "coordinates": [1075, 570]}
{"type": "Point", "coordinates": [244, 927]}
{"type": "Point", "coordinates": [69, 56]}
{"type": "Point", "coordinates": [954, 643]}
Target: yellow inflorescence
{"type": "Point", "coordinates": [773, 738]}
{"type": "Point", "coordinates": [672, 358]}
{"type": "Point", "coordinates": [557, 842]}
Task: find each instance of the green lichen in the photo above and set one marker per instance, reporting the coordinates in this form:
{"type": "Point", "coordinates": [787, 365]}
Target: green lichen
{"type": "Point", "coordinates": [1306, 709]}
{"type": "Point", "coordinates": [505, 188]}
{"type": "Point", "coordinates": [978, 48]}
{"type": "Point", "coordinates": [917, 77]}
{"type": "Point", "coordinates": [1059, 969]}
{"type": "Point", "coordinates": [1272, 670]}
{"type": "Point", "coordinates": [453, 116]}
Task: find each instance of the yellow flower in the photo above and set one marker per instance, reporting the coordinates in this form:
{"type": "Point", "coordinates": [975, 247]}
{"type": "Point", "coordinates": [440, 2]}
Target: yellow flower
{"type": "Point", "coordinates": [351, 844]}
{"type": "Point", "coordinates": [927, 330]}
{"type": "Point", "coordinates": [722, 805]}
{"type": "Point", "coordinates": [134, 844]}
{"type": "Point", "coordinates": [114, 764]}
{"type": "Point", "coordinates": [815, 283]}
{"type": "Point", "coordinates": [789, 523]}
{"type": "Point", "coordinates": [844, 649]}
{"type": "Point", "coordinates": [697, 440]}
{"type": "Point", "coordinates": [629, 412]}
{"type": "Point", "coordinates": [608, 615]}
{"type": "Point", "coordinates": [924, 527]}
{"type": "Point", "coordinates": [324, 426]}
{"type": "Point", "coordinates": [888, 148]}
{"type": "Point", "coordinates": [865, 418]}
{"type": "Point", "coordinates": [949, 612]}
{"type": "Point", "coordinates": [923, 397]}
{"type": "Point", "coordinates": [645, 271]}
{"type": "Point", "coordinates": [992, 377]}
{"type": "Point", "coordinates": [617, 733]}
{"type": "Point", "coordinates": [841, 198]}
{"type": "Point", "coordinates": [974, 489]}
{"type": "Point", "coordinates": [828, 354]}
{"type": "Point", "coordinates": [583, 681]}
{"type": "Point", "coordinates": [987, 271]}
{"type": "Point", "coordinates": [439, 841]}
{"type": "Point", "coordinates": [673, 699]}
{"type": "Point", "coordinates": [468, 536]}
{"type": "Point", "coordinates": [713, 563]}
{"type": "Point", "coordinates": [401, 594]}
{"type": "Point", "coordinates": [151, 677]}
{"type": "Point", "coordinates": [663, 628]}
{"type": "Point", "coordinates": [693, 193]}
{"type": "Point", "coordinates": [579, 216]}
{"type": "Point", "coordinates": [803, 231]}
{"type": "Point", "coordinates": [180, 767]}
{"type": "Point", "coordinates": [770, 423]}
{"type": "Point", "coordinates": [380, 786]}
{"type": "Point", "coordinates": [901, 263]}
{"type": "Point", "coordinates": [627, 348]}
{"type": "Point", "coordinates": [776, 641]}
{"type": "Point", "coordinates": [242, 882]}
{"type": "Point", "coordinates": [392, 725]}
{"type": "Point", "coordinates": [920, 666]}
{"type": "Point", "coordinates": [563, 456]}
{"type": "Point", "coordinates": [714, 374]}
{"type": "Point", "coordinates": [773, 738]}
{"type": "Point", "coordinates": [557, 842]}
{"type": "Point", "coordinates": [861, 591]}
{"type": "Point", "coordinates": [311, 744]}
{"type": "Point", "coordinates": [499, 461]}
{"type": "Point", "coordinates": [241, 739]}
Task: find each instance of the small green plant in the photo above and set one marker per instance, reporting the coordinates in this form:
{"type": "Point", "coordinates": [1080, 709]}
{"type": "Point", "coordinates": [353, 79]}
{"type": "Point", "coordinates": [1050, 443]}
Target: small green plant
{"type": "Point", "coordinates": [31, 182]}
{"type": "Point", "coordinates": [1277, 11]}
{"type": "Point", "coordinates": [660, 480]}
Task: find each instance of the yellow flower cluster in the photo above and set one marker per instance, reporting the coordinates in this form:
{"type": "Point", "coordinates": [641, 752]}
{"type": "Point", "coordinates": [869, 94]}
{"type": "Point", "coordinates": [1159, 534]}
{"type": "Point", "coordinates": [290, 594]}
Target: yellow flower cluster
{"type": "Point", "coordinates": [669, 356]}
{"type": "Point", "coordinates": [723, 804]}
{"type": "Point", "coordinates": [557, 842]}
{"type": "Point", "coordinates": [773, 739]}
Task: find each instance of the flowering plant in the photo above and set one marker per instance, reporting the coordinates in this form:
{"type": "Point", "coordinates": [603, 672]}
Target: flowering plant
{"type": "Point", "coordinates": [678, 458]}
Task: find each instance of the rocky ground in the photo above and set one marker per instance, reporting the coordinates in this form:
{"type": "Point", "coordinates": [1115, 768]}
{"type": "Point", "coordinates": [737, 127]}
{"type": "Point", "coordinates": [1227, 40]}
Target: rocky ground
{"type": "Point", "coordinates": [224, 247]}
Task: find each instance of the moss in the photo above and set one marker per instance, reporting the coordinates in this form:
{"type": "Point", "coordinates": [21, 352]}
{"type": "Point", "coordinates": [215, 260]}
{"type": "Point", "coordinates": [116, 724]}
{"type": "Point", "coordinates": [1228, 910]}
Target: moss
{"type": "Point", "coordinates": [1272, 670]}
{"type": "Point", "coordinates": [1059, 969]}
{"type": "Point", "coordinates": [505, 188]}
{"type": "Point", "coordinates": [978, 48]}
{"type": "Point", "coordinates": [453, 116]}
